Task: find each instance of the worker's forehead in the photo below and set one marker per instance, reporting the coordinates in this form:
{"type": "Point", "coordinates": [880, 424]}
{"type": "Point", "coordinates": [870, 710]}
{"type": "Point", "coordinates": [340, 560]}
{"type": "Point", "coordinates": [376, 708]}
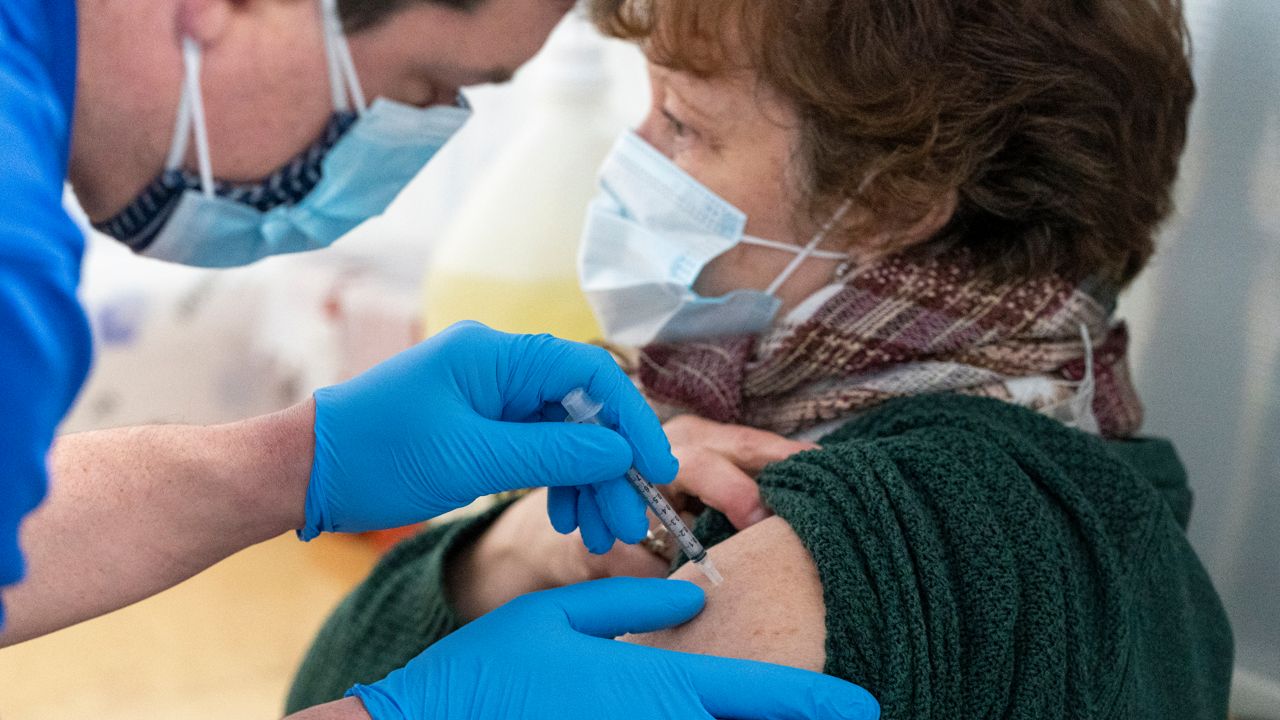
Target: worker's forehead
{"type": "Point", "coordinates": [506, 31]}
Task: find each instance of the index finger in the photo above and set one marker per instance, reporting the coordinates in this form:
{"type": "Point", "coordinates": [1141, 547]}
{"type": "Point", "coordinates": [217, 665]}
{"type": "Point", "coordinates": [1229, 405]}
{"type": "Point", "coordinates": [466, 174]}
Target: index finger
{"type": "Point", "coordinates": [752, 448]}
{"type": "Point", "coordinates": [624, 409]}
{"type": "Point", "coordinates": [617, 606]}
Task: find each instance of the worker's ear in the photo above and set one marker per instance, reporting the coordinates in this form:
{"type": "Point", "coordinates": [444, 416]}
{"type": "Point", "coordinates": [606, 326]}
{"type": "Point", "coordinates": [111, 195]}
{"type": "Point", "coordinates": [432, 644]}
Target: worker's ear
{"type": "Point", "coordinates": [205, 20]}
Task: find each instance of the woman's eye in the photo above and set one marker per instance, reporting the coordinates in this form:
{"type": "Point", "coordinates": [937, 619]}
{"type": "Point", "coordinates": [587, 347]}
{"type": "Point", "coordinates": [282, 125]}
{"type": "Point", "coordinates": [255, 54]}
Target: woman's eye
{"type": "Point", "coordinates": [677, 127]}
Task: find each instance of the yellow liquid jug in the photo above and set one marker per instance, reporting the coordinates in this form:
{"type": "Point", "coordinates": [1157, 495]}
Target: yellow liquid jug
{"type": "Point", "coordinates": [509, 259]}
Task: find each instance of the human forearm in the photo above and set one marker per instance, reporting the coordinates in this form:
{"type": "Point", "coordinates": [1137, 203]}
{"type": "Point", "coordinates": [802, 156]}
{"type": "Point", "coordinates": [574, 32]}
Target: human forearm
{"type": "Point", "coordinates": [136, 510]}
{"type": "Point", "coordinates": [344, 709]}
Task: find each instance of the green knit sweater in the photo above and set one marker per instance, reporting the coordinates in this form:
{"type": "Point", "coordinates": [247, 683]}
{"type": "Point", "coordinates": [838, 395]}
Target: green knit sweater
{"type": "Point", "coordinates": [978, 560]}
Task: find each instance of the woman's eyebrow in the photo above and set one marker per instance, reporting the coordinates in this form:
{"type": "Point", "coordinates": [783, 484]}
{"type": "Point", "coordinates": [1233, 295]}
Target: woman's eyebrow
{"type": "Point", "coordinates": [697, 109]}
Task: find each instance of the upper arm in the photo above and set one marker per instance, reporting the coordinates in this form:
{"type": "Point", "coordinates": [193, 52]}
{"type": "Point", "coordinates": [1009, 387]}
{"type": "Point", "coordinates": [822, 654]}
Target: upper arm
{"type": "Point", "coordinates": [769, 608]}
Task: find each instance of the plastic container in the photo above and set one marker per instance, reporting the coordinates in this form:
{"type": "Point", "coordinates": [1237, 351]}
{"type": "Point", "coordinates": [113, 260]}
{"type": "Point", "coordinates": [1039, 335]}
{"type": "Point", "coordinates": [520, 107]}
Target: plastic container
{"type": "Point", "coordinates": [509, 258]}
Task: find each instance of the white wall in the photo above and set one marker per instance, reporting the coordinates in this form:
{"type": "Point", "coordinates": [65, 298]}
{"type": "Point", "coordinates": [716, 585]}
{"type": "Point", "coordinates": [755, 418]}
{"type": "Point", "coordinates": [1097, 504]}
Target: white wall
{"type": "Point", "coordinates": [1207, 328]}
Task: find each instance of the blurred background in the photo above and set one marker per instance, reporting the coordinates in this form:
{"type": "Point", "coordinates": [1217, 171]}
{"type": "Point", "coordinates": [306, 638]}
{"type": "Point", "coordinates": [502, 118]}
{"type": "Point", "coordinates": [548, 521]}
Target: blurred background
{"type": "Point", "coordinates": [489, 232]}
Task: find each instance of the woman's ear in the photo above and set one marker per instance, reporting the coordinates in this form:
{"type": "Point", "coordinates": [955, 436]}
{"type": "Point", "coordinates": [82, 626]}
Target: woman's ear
{"type": "Point", "coordinates": [205, 21]}
{"type": "Point", "coordinates": [936, 219]}
{"type": "Point", "coordinates": [895, 240]}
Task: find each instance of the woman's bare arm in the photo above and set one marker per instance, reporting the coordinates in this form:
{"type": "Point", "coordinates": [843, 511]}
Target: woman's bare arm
{"type": "Point", "coordinates": [769, 608]}
{"type": "Point", "coordinates": [521, 553]}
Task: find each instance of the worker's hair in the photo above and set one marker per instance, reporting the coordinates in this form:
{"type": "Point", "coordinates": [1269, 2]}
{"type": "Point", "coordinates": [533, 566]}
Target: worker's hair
{"type": "Point", "coordinates": [361, 14]}
{"type": "Point", "coordinates": [1058, 123]}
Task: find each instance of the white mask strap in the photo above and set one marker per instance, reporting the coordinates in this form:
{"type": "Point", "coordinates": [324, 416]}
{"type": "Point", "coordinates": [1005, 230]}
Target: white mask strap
{"type": "Point", "coordinates": [344, 83]}
{"type": "Point", "coordinates": [811, 250]}
{"type": "Point", "coordinates": [1082, 403]}
{"type": "Point", "coordinates": [775, 245]}
{"type": "Point", "coordinates": [181, 131]}
{"type": "Point", "coordinates": [191, 119]}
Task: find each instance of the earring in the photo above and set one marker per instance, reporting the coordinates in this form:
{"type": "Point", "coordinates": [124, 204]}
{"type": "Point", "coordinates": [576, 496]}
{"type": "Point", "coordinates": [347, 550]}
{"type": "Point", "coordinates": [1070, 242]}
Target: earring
{"type": "Point", "coordinates": [842, 269]}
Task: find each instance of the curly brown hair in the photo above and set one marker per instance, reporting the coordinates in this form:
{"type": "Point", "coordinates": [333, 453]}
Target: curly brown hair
{"type": "Point", "coordinates": [1058, 124]}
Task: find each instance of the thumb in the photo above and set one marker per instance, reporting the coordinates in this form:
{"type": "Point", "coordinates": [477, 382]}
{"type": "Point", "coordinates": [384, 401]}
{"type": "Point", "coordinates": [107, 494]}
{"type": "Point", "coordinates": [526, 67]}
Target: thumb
{"type": "Point", "coordinates": [617, 606]}
{"type": "Point", "coordinates": [551, 454]}
{"type": "Point", "coordinates": [747, 690]}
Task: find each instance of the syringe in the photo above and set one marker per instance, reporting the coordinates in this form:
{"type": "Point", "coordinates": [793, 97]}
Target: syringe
{"type": "Point", "coordinates": [582, 409]}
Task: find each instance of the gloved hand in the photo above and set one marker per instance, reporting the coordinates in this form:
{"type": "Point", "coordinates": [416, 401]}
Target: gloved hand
{"type": "Point", "coordinates": [550, 656]}
{"type": "Point", "coordinates": [472, 412]}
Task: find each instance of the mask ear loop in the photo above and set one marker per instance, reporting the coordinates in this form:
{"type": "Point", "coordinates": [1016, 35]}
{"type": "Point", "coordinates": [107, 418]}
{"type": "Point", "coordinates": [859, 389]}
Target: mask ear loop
{"type": "Point", "coordinates": [337, 89]}
{"type": "Point", "coordinates": [191, 118]}
{"type": "Point", "coordinates": [342, 68]}
{"type": "Point", "coordinates": [1082, 403]}
{"type": "Point", "coordinates": [810, 249]}
{"type": "Point", "coordinates": [181, 131]}
{"type": "Point", "coordinates": [775, 245]}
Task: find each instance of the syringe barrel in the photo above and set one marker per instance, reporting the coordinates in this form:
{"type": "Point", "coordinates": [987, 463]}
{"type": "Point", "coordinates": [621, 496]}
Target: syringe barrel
{"type": "Point", "coordinates": [667, 515]}
{"type": "Point", "coordinates": [582, 409]}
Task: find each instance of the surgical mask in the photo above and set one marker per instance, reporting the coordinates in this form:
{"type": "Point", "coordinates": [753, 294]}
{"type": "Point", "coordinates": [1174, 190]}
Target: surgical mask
{"type": "Point", "coordinates": [650, 232]}
{"type": "Point", "coordinates": [366, 156]}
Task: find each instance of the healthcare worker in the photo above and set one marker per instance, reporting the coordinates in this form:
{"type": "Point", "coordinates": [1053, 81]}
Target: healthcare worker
{"type": "Point", "coordinates": [158, 112]}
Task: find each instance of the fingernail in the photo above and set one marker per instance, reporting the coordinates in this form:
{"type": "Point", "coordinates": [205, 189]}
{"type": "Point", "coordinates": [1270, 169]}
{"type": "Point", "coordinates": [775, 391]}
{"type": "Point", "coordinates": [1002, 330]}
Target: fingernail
{"type": "Point", "coordinates": [758, 515]}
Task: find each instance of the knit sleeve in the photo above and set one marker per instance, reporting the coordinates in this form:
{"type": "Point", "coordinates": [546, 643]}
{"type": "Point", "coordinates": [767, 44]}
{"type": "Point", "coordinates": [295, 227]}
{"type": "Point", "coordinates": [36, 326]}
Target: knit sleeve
{"type": "Point", "coordinates": [400, 610]}
{"type": "Point", "coordinates": [979, 560]}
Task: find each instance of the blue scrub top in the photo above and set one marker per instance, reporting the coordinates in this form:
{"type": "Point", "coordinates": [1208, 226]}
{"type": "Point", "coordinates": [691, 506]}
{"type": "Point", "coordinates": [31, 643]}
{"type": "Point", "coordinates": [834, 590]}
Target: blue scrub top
{"type": "Point", "coordinates": [45, 345]}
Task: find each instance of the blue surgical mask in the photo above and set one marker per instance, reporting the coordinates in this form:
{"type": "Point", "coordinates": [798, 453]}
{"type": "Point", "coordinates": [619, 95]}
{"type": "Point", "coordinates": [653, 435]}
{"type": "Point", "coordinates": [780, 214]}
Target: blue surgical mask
{"type": "Point", "coordinates": [365, 157]}
{"type": "Point", "coordinates": [650, 232]}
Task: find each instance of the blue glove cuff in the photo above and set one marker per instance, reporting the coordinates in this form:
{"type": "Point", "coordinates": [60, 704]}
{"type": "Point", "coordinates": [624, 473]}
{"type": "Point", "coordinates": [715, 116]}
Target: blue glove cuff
{"type": "Point", "coordinates": [377, 703]}
{"type": "Point", "coordinates": [317, 518]}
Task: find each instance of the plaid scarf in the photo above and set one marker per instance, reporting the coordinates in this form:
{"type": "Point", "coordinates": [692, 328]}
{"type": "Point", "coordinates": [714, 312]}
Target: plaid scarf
{"type": "Point", "coordinates": [905, 327]}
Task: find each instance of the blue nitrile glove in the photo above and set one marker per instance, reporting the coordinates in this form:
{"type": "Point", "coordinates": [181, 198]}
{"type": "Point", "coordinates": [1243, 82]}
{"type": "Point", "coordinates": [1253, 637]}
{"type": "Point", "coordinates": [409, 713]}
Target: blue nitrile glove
{"type": "Point", "coordinates": [472, 412]}
{"type": "Point", "coordinates": [551, 656]}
